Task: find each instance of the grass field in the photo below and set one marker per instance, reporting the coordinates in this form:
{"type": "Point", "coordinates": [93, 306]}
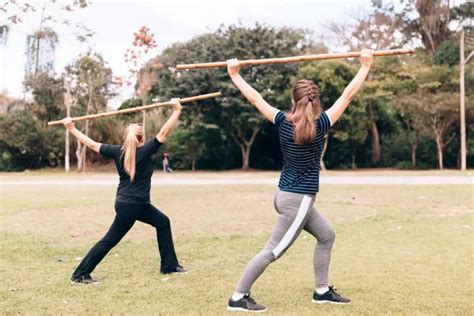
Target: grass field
{"type": "Point", "coordinates": [399, 250]}
{"type": "Point", "coordinates": [109, 170]}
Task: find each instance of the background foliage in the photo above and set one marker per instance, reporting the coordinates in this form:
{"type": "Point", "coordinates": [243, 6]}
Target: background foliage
{"type": "Point", "coordinates": [406, 116]}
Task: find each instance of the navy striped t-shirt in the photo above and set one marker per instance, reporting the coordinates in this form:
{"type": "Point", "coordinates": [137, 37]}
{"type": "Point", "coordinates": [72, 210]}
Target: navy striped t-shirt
{"type": "Point", "coordinates": [301, 163]}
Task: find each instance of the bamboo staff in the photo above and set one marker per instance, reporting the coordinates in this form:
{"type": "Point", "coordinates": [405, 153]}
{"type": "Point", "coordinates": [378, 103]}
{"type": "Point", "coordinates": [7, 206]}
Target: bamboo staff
{"type": "Point", "coordinates": [264, 61]}
{"type": "Point", "coordinates": [139, 108]}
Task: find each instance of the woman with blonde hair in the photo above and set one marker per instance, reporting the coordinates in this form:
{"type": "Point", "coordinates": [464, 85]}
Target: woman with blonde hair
{"type": "Point", "coordinates": [301, 133]}
{"type": "Point", "coordinates": [132, 202]}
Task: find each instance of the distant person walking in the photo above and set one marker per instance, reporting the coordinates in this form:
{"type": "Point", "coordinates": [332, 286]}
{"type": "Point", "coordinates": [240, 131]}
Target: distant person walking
{"type": "Point", "coordinates": [166, 163]}
{"type": "Point", "coordinates": [301, 134]}
{"type": "Point", "coordinates": [132, 202]}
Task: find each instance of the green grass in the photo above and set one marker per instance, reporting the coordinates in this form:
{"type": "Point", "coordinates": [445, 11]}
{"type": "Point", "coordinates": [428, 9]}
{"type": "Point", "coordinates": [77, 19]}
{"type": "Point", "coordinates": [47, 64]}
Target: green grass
{"type": "Point", "coordinates": [399, 250]}
{"type": "Point", "coordinates": [109, 170]}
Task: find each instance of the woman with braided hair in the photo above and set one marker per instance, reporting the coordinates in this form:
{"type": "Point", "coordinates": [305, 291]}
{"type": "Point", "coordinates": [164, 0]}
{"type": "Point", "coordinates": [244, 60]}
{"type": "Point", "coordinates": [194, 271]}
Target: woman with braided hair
{"type": "Point", "coordinates": [301, 134]}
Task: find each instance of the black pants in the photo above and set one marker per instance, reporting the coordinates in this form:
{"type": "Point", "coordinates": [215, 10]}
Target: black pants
{"type": "Point", "coordinates": [126, 215]}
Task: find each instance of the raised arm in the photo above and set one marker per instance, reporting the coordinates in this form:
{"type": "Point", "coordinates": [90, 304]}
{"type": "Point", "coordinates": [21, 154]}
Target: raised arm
{"type": "Point", "coordinates": [171, 123]}
{"type": "Point", "coordinates": [86, 140]}
{"type": "Point", "coordinates": [352, 88]}
{"type": "Point", "coordinates": [250, 93]}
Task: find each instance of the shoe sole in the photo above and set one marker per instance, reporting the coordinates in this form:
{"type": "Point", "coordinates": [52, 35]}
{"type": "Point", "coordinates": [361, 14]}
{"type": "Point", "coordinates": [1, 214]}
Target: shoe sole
{"type": "Point", "coordinates": [171, 273]}
{"type": "Point", "coordinates": [82, 283]}
{"type": "Point", "coordinates": [330, 302]}
{"type": "Point", "coordinates": [240, 309]}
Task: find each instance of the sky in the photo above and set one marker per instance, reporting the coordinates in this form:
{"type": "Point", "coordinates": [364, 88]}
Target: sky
{"type": "Point", "coordinates": [114, 23]}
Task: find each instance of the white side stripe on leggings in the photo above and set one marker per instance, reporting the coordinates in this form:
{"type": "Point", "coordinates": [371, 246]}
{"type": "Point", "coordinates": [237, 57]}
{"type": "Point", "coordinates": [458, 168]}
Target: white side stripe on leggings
{"type": "Point", "coordinates": [290, 233]}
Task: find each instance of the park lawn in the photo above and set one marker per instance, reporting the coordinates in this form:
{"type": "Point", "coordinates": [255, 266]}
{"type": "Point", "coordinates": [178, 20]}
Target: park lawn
{"type": "Point", "coordinates": [109, 171]}
{"type": "Point", "coordinates": [399, 250]}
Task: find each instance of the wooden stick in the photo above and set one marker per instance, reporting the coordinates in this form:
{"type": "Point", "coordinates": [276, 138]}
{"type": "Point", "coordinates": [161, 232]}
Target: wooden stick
{"type": "Point", "coordinates": [264, 61]}
{"type": "Point", "coordinates": [139, 108]}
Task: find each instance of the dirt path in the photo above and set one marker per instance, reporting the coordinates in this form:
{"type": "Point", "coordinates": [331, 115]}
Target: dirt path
{"type": "Point", "coordinates": [111, 180]}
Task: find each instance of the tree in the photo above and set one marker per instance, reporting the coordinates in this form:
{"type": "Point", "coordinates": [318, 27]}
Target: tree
{"type": "Point", "coordinates": [414, 125]}
{"type": "Point", "coordinates": [18, 10]}
{"type": "Point", "coordinates": [26, 142]}
{"type": "Point", "coordinates": [428, 21]}
{"type": "Point", "coordinates": [189, 145]}
{"type": "Point", "coordinates": [432, 24]}
{"type": "Point", "coordinates": [447, 53]}
{"type": "Point", "coordinates": [130, 103]}
{"type": "Point", "coordinates": [40, 48]}
{"type": "Point", "coordinates": [48, 95]}
{"type": "Point", "coordinates": [430, 96]}
{"type": "Point", "coordinates": [92, 88]}
{"type": "Point", "coordinates": [443, 116]}
{"type": "Point", "coordinates": [377, 30]}
{"type": "Point", "coordinates": [13, 10]}
{"type": "Point", "coordinates": [47, 92]}
{"type": "Point", "coordinates": [462, 93]}
{"type": "Point", "coordinates": [378, 94]}
{"type": "Point", "coordinates": [233, 113]}
{"type": "Point", "coordinates": [140, 74]}
{"type": "Point", "coordinates": [4, 30]}
{"type": "Point", "coordinates": [41, 44]}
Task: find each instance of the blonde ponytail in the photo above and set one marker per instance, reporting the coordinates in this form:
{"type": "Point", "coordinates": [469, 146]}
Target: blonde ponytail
{"type": "Point", "coordinates": [129, 151]}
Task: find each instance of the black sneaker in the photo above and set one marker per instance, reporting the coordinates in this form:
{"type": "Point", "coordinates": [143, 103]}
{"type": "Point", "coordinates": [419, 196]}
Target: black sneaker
{"type": "Point", "coordinates": [330, 297]}
{"type": "Point", "coordinates": [245, 304]}
{"type": "Point", "coordinates": [84, 279]}
{"type": "Point", "coordinates": [177, 270]}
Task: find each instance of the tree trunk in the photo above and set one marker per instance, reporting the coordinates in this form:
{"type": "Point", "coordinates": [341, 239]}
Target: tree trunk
{"type": "Point", "coordinates": [84, 147]}
{"type": "Point", "coordinates": [245, 157]}
{"type": "Point", "coordinates": [38, 39]}
{"type": "Point", "coordinates": [67, 99]}
{"type": "Point", "coordinates": [35, 73]}
{"type": "Point", "coordinates": [79, 155]}
{"type": "Point", "coordinates": [86, 132]}
{"type": "Point", "coordinates": [413, 155]}
{"type": "Point", "coordinates": [375, 143]}
{"type": "Point", "coordinates": [354, 166]}
{"type": "Point", "coordinates": [193, 168]}
{"type": "Point", "coordinates": [374, 139]}
{"type": "Point", "coordinates": [66, 152]}
{"type": "Point", "coordinates": [439, 147]}
{"type": "Point", "coordinates": [244, 144]}
{"type": "Point", "coordinates": [322, 164]}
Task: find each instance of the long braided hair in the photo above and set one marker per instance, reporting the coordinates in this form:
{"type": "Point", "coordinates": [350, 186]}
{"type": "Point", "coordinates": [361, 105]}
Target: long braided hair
{"type": "Point", "coordinates": [305, 109]}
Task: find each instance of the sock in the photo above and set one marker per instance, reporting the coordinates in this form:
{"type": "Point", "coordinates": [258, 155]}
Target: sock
{"type": "Point", "coordinates": [322, 289]}
{"type": "Point", "coordinates": [237, 296]}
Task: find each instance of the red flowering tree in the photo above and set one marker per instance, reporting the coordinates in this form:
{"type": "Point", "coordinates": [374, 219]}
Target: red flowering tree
{"type": "Point", "coordinates": [139, 74]}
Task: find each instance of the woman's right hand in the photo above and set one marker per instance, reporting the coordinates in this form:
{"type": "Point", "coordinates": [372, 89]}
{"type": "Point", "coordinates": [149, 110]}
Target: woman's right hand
{"type": "Point", "coordinates": [68, 123]}
{"type": "Point", "coordinates": [175, 105]}
{"type": "Point", "coordinates": [366, 57]}
{"type": "Point", "coordinates": [233, 66]}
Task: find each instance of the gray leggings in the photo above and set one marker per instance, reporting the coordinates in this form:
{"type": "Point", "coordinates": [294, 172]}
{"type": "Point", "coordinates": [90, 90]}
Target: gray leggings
{"type": "Point", "coordinates": [295, 212]}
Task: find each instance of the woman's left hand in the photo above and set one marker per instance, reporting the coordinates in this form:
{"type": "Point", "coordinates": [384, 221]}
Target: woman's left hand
{"type": "Point", "coordinates": [175, 104]}
{"type": "Point", "coordinates": [233, 66]}
{"type": "Point", "coordinates": [68, 123]}
{"type": "Point", "coordinates": [367, 57]}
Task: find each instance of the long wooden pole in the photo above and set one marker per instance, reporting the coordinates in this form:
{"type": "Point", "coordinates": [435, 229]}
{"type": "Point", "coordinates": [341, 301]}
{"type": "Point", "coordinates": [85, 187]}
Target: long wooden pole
{"type": "Point", "coordinates": [139, 108]}
{"type": "Point", "coordinates": [264, 61]}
